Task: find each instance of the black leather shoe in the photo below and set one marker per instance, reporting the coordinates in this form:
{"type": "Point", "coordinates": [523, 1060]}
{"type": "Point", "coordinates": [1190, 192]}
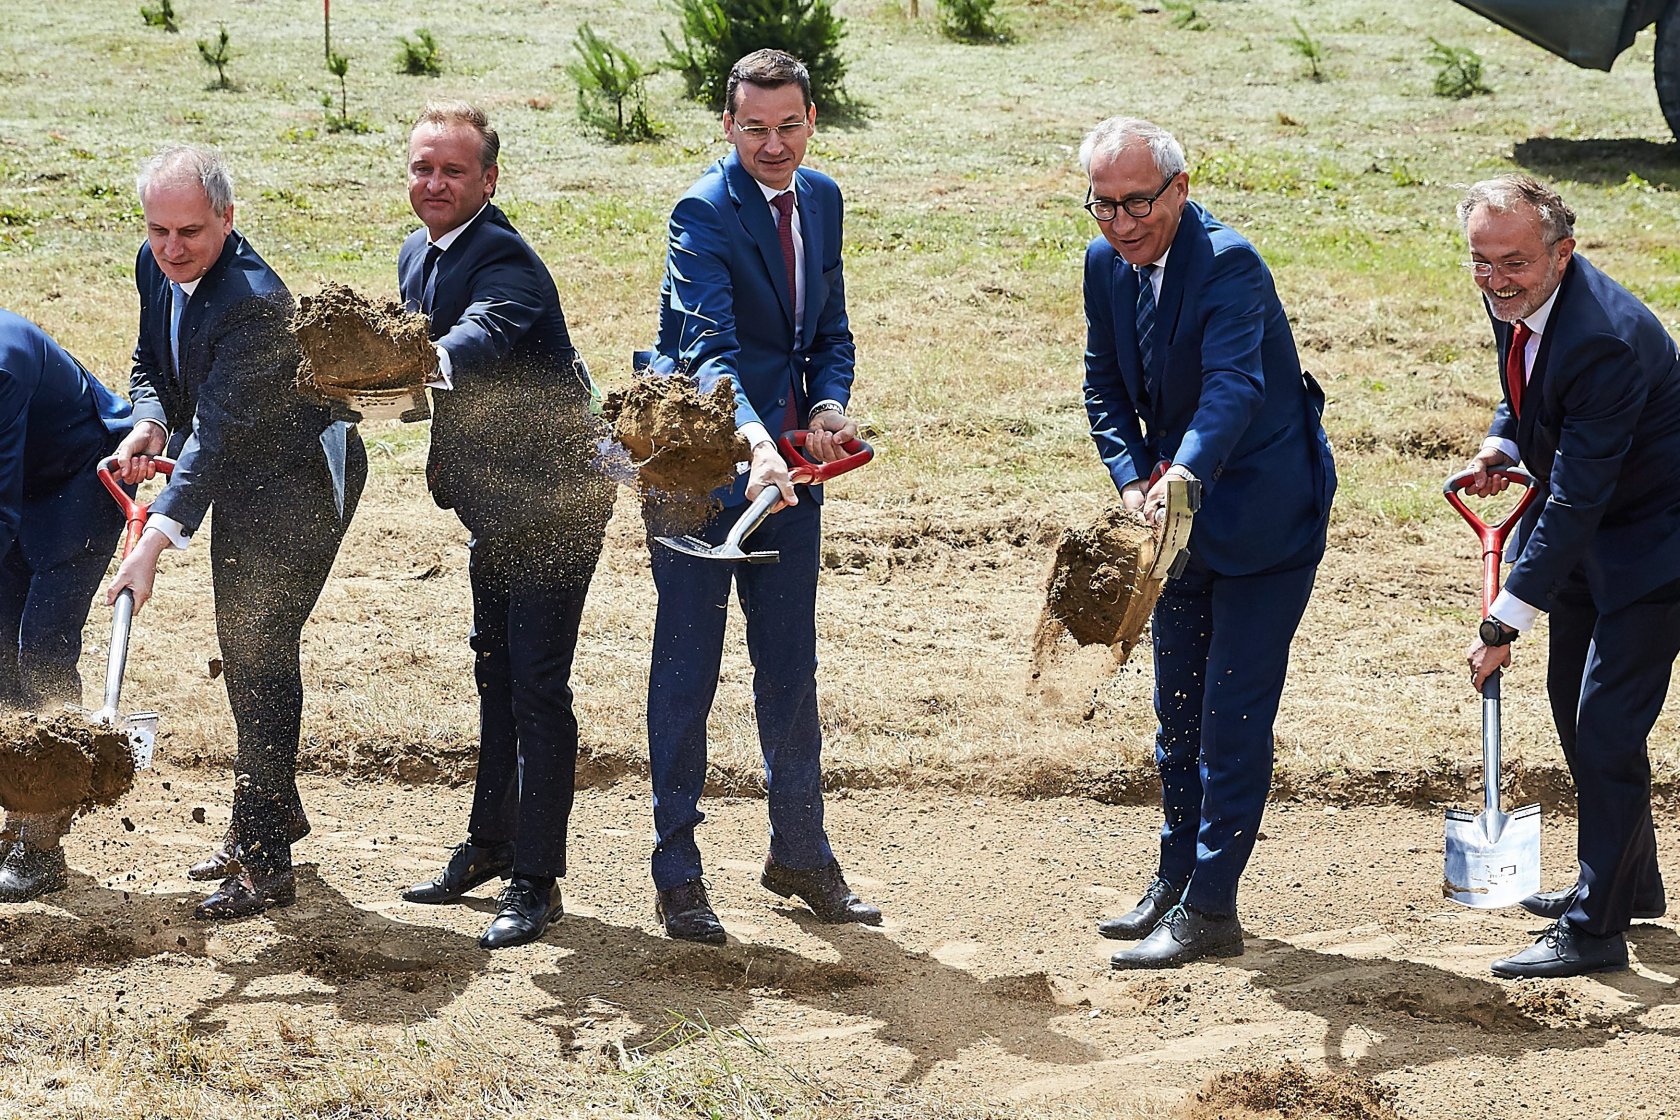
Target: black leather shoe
{"type": "Point", "coordinates": [248, 893]}
{"type": "Point", "coordinates": [1555, 904]}
{"type": "Point", "coordinates": [224, 861]}
{"type": "Point", "coordinates": [469, 866]}
{"type": "Point", "coordinates": [1184, 934]}
{"type": "Point", "coordinates": [688, 915]}
{"type": "Point", "coordinates": [1564, 950]}
{"type": "Point", "coordinates": [26, 873]}
{"type": "Point", "coordinates": [823, 889]}
{"type": "Point", "coordinates": [526, 912]}
{"type": "Point", "coordinates": [1137, 922]}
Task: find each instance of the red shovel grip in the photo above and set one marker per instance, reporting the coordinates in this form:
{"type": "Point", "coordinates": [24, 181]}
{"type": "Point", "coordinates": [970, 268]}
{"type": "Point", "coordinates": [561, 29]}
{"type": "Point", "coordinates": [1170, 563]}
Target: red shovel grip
{"type": "Point", "coordinates": [133, 512]}
{"type": "Point", "coordinates": [804, 470]}
{"type": "Point", "coordinates": [1492, 536]}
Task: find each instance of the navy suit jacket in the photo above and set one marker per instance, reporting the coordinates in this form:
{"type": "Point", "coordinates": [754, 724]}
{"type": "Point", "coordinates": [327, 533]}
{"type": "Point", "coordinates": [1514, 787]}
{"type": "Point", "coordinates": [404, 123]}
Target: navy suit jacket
{"type": "Point", "coordinates": [56, 419]}
{"type": "Point", "coordinates": [1600, 432]}
{"type": "Point", "coordinates": [235, 417]}
{"type": "Point", "coordinates": [1227, 398]}
{"type": "Point", "coordinates": [724, 308]}
{"type": "Point", "coordinates": [513, 441]}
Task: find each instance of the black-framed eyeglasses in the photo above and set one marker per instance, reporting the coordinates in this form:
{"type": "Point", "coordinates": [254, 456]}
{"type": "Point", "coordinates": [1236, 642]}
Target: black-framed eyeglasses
{"type": "Point", "coordinates": [1107, 209]}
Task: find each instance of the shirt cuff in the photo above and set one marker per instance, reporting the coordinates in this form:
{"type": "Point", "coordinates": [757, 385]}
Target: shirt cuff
{"type": "Point", "coordinates": [1513, 612]}
{"type": "Point", "coordinates": [445, 378]}
{"type": "Point", "coordinates": [177, 533]}
{"type": "Point", "coordinates": [1508, 449]}
{"type": "Point", "coordinates": [755, 433]}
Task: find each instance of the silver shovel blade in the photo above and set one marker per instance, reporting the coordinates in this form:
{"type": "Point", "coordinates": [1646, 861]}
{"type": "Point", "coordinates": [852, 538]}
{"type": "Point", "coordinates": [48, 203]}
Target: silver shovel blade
{"type": "Point", "coordinates": [1492, 859]}
{"type": "Point", "coordinates": [142, 737]}
{"type": "Point", "coordinates": [694, 546]}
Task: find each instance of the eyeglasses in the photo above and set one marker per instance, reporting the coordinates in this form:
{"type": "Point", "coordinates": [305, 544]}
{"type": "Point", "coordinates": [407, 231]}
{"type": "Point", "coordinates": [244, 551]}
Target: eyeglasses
{"type": "Point", "coordinates": [1481, 270]}
{"type": "Point", "coordinates": [758, 133]}
{"type": "Point", "coordinates": [1107, 209]}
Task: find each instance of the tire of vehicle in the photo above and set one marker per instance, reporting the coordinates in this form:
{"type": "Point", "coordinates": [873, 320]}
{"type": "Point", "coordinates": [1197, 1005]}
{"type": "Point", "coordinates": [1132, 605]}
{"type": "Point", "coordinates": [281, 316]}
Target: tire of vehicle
{"type": "Point", "coordinates": [1668, 66]}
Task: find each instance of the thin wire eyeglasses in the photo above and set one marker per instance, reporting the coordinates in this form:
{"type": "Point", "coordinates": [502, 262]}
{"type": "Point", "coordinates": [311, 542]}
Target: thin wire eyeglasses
{"type": "Point", "coordinates": [758, 133]}
{"type": "Point", "coordinates": [1482, 270]}
{"type": "Point", "coordinates": [1139, 207]}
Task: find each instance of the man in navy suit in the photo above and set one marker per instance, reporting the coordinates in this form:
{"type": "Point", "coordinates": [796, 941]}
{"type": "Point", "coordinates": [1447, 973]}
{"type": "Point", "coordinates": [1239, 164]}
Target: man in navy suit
{"type": "Point", "coordinates": [754, 293]}
{"type": "Point", "coordinates": [57, 530]}
{"type": "Point", "coordinates": [214, 386]}
{"type": "Point", "coordinates": [512, 447]}
{"type": "Point", "coordinates": [1191, 371]}
{"type": "Point", "coordinates": [1592, 408]}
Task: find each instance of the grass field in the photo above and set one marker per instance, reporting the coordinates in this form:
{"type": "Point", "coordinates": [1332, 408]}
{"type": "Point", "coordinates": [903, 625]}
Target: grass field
{"type": "Point", "coordinates": [964, 241]}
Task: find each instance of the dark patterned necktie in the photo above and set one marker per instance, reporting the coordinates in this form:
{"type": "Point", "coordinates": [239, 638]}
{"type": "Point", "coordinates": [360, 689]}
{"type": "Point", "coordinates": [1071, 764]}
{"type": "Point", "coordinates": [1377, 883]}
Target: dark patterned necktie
{"type": "Point", "coordinates": [784, 233]}
{"type": "Point", "coordinates": [1516, 375]}
{"type": "Point", "coordinates": [428, 278]}
{"type": "Point", "coordinates": [177, 311]}
{"type": "Point", "coordinates": [1146, 321]}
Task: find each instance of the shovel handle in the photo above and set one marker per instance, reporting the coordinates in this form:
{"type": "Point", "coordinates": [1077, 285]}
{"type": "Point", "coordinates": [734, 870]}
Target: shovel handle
{"type": "Point", "coordinates": [134, 513]}
{"type": "Point", "coordinates": [805, 471]}
{"type": "Point", "coordinates": [1492, 536]}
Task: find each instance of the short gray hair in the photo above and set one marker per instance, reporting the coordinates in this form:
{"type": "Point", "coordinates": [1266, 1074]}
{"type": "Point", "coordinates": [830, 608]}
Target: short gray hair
{"type": "Point", "coordinates": [1116, 134]}
{"type": "Point", "coordinates": [1504, 194]}
{"type": "Point", "coordinates": [188, 162]}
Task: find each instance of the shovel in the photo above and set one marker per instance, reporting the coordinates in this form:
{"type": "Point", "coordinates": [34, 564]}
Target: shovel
{"type": "Point", "coordinates": [1492, 858]}
{"type": "Point", "coordinates": [803, 471]}
{"type": "Point", "coordinates": [141, 726]}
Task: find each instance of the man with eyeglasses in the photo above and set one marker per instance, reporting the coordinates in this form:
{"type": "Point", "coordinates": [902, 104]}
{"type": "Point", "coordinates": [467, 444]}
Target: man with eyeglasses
{"type": "Point", "coordinates": [753, 293]}
{"type": "Point", "coordinates": [1591, 407]}
{"type": "Point", "coordinates": [1191, 372]}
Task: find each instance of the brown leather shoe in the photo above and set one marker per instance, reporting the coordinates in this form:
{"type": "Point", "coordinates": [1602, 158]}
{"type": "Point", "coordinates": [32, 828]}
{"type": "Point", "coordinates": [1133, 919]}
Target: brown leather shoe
{"type": "Point", "coordinates": [824, 890]}
{"type": "Point", "coordinates": [248, 893]}
{"type": "Point", "coordinates": [224, 861]}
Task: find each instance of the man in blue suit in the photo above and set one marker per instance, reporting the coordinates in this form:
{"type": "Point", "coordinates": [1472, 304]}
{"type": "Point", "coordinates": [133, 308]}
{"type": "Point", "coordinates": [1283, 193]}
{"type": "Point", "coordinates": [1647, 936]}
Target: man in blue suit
{"type": "Point", "coordinates": [754, 293]}
{"type": "Point", "coordinates": [214, 386]}
{"type": "Point", "coordinates": [512, 445]}
{"type": "Point", "coordinates": [1592, 408]}
{"type": "Point", "coordinates": [57, 529]}
{"type": "Point", "coordinates": [1191, 371]}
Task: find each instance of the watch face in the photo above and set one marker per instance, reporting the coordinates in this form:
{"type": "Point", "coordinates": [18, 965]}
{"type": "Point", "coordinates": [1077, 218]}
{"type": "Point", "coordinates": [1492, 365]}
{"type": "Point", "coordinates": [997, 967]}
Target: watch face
{"type": "Point", "coordinates": [1493, 634]}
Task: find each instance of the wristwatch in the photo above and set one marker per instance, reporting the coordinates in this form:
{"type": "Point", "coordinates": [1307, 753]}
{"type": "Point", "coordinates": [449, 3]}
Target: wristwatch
{"type": "Point", "coordinates": [1495, 633]}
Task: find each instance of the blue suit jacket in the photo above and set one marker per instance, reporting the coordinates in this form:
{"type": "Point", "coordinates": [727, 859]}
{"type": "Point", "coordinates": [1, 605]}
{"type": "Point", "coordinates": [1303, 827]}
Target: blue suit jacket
{"type": "Point", "coordinates": [236, 420]}
{"type": "Point", "coordinates": [1227, 397]}
{"type": "Point", "coordinates": [724, 309]}
{"type": "Point", "coordinates": [513, 441]}
{"type": "Point", "coordinates": [56, 419]}
{"type": "Point", "coordinates": [1600, 431]}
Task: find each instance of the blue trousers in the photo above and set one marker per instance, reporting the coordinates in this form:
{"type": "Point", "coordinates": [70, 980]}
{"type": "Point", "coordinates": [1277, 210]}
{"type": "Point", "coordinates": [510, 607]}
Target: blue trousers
{"type": "Point", "coordinates": [48, 579]}
{"type": "Point", "coordinates": [1607, 676]}
{"type": "Point", "coordinates": [779, 602]}
{"type": "Point", "coordinates": [1221, 653]}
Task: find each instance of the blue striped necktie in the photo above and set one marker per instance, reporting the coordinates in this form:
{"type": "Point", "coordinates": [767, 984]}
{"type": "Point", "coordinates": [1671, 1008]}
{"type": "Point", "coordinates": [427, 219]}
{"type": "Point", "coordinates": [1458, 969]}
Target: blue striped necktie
{"type": "Point", "coordinates": [1146, 321]}
{"type": "Point", "coordinates": [177, 309]}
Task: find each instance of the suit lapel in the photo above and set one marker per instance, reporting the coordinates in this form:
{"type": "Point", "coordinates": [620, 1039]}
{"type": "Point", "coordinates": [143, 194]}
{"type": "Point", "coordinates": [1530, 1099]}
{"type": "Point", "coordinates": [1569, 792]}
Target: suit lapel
{"type": "Point", "coordinates": [760, 226]}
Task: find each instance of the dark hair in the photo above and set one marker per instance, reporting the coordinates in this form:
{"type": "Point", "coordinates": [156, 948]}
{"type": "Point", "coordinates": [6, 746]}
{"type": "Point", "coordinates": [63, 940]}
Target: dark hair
{"type": "Point", "coordinates": [768, 69]}
{"type": "Point", "coordinates": [447, 114]}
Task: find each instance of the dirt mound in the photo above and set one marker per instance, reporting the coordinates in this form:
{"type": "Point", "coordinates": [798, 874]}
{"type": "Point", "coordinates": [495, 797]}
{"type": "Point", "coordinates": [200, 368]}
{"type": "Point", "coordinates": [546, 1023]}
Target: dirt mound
{"type": "Point", "coordinates": [758, 969]}
{"type": "Point", "coordinates": [1290, 1093]}
{"type": "Point", "coordinates": [681, 444]}
{"type": "Point", "coordinates": [351, 342]}
{"type": "Point", "coordinates": [52, 763]}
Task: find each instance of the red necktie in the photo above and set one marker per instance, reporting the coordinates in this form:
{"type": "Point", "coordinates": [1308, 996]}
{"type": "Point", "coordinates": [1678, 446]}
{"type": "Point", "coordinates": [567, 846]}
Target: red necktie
{"type": "Point", "coordinates": [1516, 376]}
{"type": "Point", "coordinates": [784, 233]}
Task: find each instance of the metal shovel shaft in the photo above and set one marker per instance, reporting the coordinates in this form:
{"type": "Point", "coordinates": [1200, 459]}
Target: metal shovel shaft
{"type": "Point", "coordinates": [122, 621]}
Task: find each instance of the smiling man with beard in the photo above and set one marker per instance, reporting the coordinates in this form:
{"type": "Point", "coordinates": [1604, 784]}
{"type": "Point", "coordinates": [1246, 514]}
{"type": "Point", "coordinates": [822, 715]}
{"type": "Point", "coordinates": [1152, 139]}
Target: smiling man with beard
{"type": "Point", "coordinates": [1592, 409]}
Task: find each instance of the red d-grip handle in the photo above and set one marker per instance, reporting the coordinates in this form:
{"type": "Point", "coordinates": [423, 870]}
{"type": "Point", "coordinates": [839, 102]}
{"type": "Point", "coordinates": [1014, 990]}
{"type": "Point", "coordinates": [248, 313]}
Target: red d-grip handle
{"type": "Point", "coordinates": [133, 512]}
{"type": "Point", "coordinates": [805, 471]}
{"type": "Point", "coordinates": [1492, 536]}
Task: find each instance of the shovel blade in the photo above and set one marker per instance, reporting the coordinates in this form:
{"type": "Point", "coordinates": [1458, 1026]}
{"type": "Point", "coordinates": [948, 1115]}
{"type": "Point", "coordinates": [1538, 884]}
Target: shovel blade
{"type": "Point", "coordinates": [142, 737]}
{"type": "Point", "coordinates": [1492, 858]}
{"type": "Point", "coordinates": [699, 549]}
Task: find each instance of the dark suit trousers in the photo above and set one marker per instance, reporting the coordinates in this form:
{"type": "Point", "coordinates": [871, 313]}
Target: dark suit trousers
{"type": "Point", "coordinates": [528, 595]}
{"type": "Point", "coordinates": [1221, 653]}
{"type": "Point", "coordinates": [780, 604]}
{"type": "Point", "coordinates": [270, 552]}
{"type": "Point", "coordinates": [48, 579]}
{"type": "Point", "coordinates": [1607, 677]}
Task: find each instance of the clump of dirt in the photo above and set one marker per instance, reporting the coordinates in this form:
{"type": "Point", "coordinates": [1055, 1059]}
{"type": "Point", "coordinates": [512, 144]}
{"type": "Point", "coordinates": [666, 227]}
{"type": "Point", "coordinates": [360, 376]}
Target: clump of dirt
{"type": "Point", "coordinates": [49, 764]}
{"type": "Point", "coordinates": [681, 444]}
{"type": "Point", "coordinates": [1097, 594]}
{"type": "Point", "coordinates": [1556, 1006]}
{"type": "Point", "coordinates": [1289, 1093]}
{"type": "Point", "coordinates": [351, 342]}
